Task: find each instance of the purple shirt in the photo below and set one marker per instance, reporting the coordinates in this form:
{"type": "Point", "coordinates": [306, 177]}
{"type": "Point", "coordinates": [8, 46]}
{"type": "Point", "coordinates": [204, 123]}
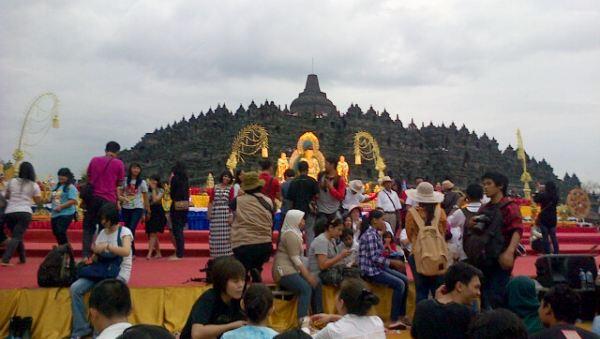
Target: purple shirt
{"type": "Point", "coordinates": [370, 253]}
{"type": "Point", "coordinates": [105, 181]}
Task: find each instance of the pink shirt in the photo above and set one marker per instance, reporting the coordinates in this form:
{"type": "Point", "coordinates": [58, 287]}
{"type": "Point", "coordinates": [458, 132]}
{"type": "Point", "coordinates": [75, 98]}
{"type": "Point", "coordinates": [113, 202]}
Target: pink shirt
{"type": "Point", "coordinates": [106, 181]}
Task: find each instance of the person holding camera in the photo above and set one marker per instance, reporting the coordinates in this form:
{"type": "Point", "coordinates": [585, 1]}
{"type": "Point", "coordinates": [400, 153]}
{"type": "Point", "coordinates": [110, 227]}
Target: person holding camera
{"type": "Point", "coordinates": [491, 239]}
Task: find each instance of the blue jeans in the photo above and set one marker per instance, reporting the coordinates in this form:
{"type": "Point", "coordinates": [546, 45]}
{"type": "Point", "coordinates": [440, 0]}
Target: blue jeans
{"type": "Point", "coordinates": [306, 294]}
{"type": "Point", "coordinates": [424, 285]}
{"type": "Point", "coordinates": [493, 287]}
{"type": "Point", "coordinates": [399, 283]}
{"type": "Point", "coordinates": [131, 218]}
{"type": "Point", "coordinates": [549, 232]}
{"type": "Point", "coordinates": [81, 326]}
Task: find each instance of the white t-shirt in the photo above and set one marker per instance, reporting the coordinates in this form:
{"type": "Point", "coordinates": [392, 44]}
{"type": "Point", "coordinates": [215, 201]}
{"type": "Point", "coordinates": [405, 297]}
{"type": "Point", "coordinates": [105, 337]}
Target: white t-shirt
{"type": "Point", "coordinates": [352, 199]}
{"type": "Point", "coordinates": [113, 331]}
{"type": "Point", "coordinates": [21, 195]}
{"type": "Point", "coordinates": [353, 327]}
{"type": "Point", "coordinates": [126, 264]}
{"type": "Point", "coordinates": [389, 201]}
{"type": "Point", "coordinates": [404, 237]}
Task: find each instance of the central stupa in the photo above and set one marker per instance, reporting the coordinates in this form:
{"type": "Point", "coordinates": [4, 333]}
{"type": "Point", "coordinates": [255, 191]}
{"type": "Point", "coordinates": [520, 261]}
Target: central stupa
{"type": "Point", "coordinates": [312, 100]}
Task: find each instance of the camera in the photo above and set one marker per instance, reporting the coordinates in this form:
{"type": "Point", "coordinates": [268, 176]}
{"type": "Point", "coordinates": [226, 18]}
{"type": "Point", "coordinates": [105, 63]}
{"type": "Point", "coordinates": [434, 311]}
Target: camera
{"type": "Point", "coordinates": [481, 222]}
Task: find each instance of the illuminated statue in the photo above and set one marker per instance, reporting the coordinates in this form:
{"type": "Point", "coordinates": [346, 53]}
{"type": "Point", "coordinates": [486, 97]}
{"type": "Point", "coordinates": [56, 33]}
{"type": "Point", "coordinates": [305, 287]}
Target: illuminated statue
{"type": "Point", "coordinates": [308, 150]}
{"type": "Point", "coordinates": [343, 168]}
{"type": "Point", "coordinates": [282, 166]}
{"type": "Point", "coordinates": [210, 181]}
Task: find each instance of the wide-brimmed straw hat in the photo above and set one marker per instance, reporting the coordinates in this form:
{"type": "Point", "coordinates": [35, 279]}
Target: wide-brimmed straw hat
{"type": "Point", "coordinates": [447, 185]}
{"type": "Point", "coordinates": [357, 186]}
{"type": "Point", "coordinates": [385, 179]}
{"type": "Point", "coordinates": [251, 181]}
{"type": "Point", "coordinates": [424, 193]}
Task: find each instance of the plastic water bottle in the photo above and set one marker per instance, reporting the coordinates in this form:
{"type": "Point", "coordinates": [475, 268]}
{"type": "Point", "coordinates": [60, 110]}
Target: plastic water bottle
{"type": "Point", "coordinates": [582, 279]}
{"type": "Point", "coordinates": [589, 278]}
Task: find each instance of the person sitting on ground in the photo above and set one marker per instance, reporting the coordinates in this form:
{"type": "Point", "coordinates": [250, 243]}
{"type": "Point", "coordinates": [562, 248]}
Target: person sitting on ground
{"type": "Point", "coordinates": [110, 304]}
{"type": "Point", "coordinates": [373, 266]}
{"type": "Point", "coordinates": [257, 304]}
{"type": "Point", "coordinates": [559, 310]}
{"type": "Point", "coordinates": [353, 304]}
{"type": "Point", "coordinates": [347, 242]}
{"type": "Point", "coordinates": [522, 300]}
{"type": "Point", "coordinates": [497, 324]}
{"type": "Point", "coordinates": [449, 314]}
{"type": "Point", "coordinates": [106, 244]}
{"type": "Point", "coordinates": [323, 253]}
{"type": "Point", "coordinates": [144, 331]}
{"type": "Point", "coordinates": [289, 269]}
{"type": "Point", "coordinates": [218, 309]}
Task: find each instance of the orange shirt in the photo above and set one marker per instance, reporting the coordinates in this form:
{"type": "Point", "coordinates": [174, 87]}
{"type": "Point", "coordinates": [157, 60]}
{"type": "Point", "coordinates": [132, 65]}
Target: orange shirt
{"type": "Point", "coordinates": [412, 229]}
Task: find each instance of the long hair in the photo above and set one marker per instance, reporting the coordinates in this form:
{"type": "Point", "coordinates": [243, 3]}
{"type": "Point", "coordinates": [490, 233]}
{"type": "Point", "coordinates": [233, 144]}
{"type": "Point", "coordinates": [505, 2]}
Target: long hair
{"type": "Point", "coordinates": [180, 171]}
{"type": "Point", "coordinates": [551, 191]}
{"type": "Point", "coordinates": [138, 180]}
{"type": "Point", "coordinates": [26, 171]}
{"type": "Point", "coordinates": [65, 172]}
{"type": "Point", "coordinates": [429, 210]}
{"type": "Point", "coordinates": [375, 214]}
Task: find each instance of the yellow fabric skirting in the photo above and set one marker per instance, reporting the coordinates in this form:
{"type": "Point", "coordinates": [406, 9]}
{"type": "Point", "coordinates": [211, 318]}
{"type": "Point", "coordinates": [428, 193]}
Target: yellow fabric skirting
{"type": "Point", "coordinates": [166, 306]}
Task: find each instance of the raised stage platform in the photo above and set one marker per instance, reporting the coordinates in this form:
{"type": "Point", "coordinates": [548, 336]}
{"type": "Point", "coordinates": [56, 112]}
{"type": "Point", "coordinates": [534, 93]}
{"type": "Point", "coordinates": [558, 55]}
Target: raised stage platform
{"type": "Point", "coordinates": [162, 293]}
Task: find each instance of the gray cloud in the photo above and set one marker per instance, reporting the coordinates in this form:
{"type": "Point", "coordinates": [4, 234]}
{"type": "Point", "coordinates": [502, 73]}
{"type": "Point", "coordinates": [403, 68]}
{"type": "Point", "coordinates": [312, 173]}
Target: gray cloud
{"type": "Point", "coordinates": [123, 68]}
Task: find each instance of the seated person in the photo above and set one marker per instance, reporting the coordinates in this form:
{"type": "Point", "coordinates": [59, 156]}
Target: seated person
{"type": "Point", "coordinates": [106, 244]}
{"type": "Point", "coordinates": [449, 314]}
{"type": "Point", "coordinates": [289, 269]}
{"type": "Point", "coordinates": [373, 267]}
{"type": "Point", "coordinates": [522, 300]}
{"type": "Point", "coordinates": [295, 333]}
{"type": "Point", "coordinates": [347, 242]}
{"type": "Point", "coordinates": [323, 252]}
{"type": "Point", "coordinates": [390, 250]}
{"type": "Point", "coordinates": [143, 331]}
{"type": "Point", "coordinates": [257, 304]}
{"type": "Point", "coordinates": [497, 324]}
{"type": "Point", "coordinates": [353, 304]}
{"type": "Point", "coordinates": [388, 227]}
{"type": "Point", "coordinates": [110, 304]}
{"type": "Point", "coordinates": [218, 309]}
{"type": "Point", "coordinates": [559, 311]}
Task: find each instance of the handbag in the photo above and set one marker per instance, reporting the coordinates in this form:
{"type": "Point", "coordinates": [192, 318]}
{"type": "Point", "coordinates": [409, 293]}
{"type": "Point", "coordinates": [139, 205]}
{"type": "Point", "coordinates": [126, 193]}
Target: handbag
{"type": "Point", "coordinates": [181, 205]}
{"type": "Point", "coordinates": [106, 265]}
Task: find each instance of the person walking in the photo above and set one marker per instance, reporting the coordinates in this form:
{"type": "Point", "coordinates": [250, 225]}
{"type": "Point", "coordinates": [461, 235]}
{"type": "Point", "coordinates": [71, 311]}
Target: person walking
{"type": "Point", "coordinates": [302, 193]}
{"type": "Point", "coordinates": [64, 202]}
{"type": "Point", "coordinates": [20, 192]}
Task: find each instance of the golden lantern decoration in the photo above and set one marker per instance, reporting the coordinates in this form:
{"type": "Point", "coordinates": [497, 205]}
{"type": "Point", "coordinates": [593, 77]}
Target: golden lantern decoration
{"type": "Point", "coordinates": [365, 146]}
{"type": "Point", "coordinates": [249, 141]}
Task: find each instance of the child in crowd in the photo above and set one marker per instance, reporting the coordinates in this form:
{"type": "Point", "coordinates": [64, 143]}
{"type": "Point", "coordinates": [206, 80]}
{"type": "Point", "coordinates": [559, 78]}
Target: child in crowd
{"type": "Point", "coordinates": [257, 304]}
{"type": "Point", "coordinates": [157, 219]}
{"type": "Point", "coordinates": [347, 242]}
{"type": "Point", "coordinates": [218, 309]}
{"type": "Point", "coordinates": [390, 250]}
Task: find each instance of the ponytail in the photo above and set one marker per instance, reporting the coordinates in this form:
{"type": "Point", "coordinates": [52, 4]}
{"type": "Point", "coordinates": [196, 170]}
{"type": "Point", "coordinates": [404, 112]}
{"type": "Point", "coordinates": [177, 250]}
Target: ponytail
{"type": "Point", "coordinates": [356, 297]}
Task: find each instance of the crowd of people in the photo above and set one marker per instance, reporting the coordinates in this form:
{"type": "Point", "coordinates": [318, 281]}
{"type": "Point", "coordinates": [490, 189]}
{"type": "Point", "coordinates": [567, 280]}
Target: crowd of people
{"type": "Point", "coordinates": [460, 247]}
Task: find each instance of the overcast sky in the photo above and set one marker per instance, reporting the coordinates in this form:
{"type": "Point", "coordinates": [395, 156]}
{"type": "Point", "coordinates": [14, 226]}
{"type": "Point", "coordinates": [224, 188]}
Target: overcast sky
{"type": "Point", "coordinates": [123, 68]}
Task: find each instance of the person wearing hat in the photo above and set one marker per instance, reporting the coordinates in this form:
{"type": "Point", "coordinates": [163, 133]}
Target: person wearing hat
{"type": "Point", "coordinates": [450, 197]}
{"type": "Point", "coordinates": [355, 195]}
{"type": "Point", "coordinates": [427, 207]}
{"type": "Point", "coordinates": [388, 200]}
{"type": "Point", "coordinates": [355, 214]}
{"type": "Point", "coordinates": [251, 237]}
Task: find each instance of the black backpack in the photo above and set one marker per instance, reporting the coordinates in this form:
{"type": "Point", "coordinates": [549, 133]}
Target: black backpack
{"type": "Point", "coordinates": [58, 268]}
{"type": "Point", "coordinates": [484, 242]}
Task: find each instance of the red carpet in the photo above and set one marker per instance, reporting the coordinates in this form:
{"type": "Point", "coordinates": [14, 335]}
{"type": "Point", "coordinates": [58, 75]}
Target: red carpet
{"type": "Point", "coordinates": [162, 272]}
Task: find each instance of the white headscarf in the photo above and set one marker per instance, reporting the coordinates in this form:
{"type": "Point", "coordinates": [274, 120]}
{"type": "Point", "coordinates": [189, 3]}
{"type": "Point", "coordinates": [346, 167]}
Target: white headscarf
{"type": "Point", "coordinates": [291, 223]}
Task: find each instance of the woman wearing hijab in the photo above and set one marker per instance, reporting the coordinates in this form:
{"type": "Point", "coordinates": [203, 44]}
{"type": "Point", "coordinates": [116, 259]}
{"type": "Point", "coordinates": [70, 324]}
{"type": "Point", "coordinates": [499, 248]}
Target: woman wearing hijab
{"type": "Point", "coordinates": [523, 301]}
{"type": "Point", "coordinates": [290, 271]}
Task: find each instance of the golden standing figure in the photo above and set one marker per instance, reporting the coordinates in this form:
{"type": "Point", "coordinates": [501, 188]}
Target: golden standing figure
{"type": "Point", "coordinates": [343, 168]}
{"type": "Point", "coordinates": [308, 150]}
{"type": "Point", "coordinates": [282, 166]}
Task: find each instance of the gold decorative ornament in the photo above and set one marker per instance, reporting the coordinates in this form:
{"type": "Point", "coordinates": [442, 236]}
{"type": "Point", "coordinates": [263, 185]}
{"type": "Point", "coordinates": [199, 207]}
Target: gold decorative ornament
{"type": "Point", "coordinates": [282, 166]}
{"type": "Point", "coordinates": [249, 141]}
{"type": "Point", "coordinates": [525, 177]}
{"type": "Point", "coordinates": [579, 203]}
{"type": "Point", "coordinates": [308, 150]}
{"type": "Point", "coordinates": [365, 146]}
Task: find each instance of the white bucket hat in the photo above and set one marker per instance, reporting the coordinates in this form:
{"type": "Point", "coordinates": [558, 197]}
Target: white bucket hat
{"type": "Point", "coordinates": [357, 186]}
{"type": "Point", "coordinates": [385, 179]}
{"type": "Point", "coordinates": [424, 193]}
